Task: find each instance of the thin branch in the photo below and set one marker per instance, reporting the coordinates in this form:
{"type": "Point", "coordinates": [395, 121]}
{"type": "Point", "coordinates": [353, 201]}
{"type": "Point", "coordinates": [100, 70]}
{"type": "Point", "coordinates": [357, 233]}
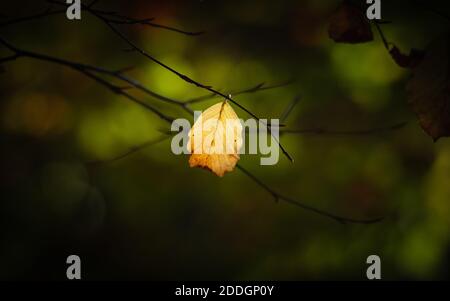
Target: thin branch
{"type": "Point", "coordinates": [257, 88]}
{"type": "Point", "coordinates": [322, 131]}
{"type": "Point", "coordinates": [93, 2]}
{"type": "Point", "coordinates": [118, 74]}
{"type": "Point", "coordinates": [383, 37]}
{"type": "Point", "coordinates": [119, 90]}
{"type": "Point", "coordinates": [431, 9]}
{"type": "Point", "coordinates": [32, 17]}
{"type": "Point", "coordinates": [148, 22]}
{"type": "Point", "coordinates": [263, 87]}
{"type": "Point", "coordinates": [9, 58]}
{"type": "Point", "coordinates": [91, 71]}
{"type": "Point", "coordinates": [289, 109]}
{"type": "Point", "coordinates": [185, 77]}
{"type": "Point", "coordinates": [107, 21]}
{"type": "Point", "coordinates": [115, 18]}
{"type": "Point", "coordinates": [129, 152]}
{"type": "Point", "coordinates": [278, 197]}
{"type": "Point", "coordinates": [88, 71]}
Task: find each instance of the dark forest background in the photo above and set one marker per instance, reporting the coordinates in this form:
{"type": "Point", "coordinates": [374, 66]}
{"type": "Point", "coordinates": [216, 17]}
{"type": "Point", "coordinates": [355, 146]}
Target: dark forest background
{"type": "Point", "coordinates": [149, 216]}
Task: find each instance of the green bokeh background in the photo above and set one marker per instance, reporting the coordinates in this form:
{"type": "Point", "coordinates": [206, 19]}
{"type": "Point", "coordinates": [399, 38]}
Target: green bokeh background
{"type": "Point", "coordinates": [149, 216]}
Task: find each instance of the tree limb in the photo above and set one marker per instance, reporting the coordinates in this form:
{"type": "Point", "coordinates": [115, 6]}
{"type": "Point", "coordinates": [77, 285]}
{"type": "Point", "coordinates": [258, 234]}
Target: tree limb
{"type": "Point", "coordinates": [86, 70]}
{"type": "Point", "coordinates": [186, 78]}
{"type": "Point", "coordinates": [278, 197]}
{"type": "Point", "coordinates": [116, 18]}
{"type": "Point", "coordinates": [256, 88]}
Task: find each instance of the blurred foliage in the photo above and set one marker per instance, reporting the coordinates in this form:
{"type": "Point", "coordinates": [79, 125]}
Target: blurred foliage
{"type": "Point", "coordinates": [149, 216]}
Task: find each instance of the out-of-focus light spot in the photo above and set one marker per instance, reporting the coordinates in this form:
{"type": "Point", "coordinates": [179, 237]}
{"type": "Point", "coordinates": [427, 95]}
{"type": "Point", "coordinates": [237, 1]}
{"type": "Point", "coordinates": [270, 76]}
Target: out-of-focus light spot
{"type": "Point", "coordinates": [249, 69]}
{"type": "Point", "coordinates": [365, 63]}
{"type": "Point", "coordinates": [115, 129]}
{"type": "Point", "coordinates": [167, 83]}
{"type": "Point", "coordinates": [37, 115]}
{"type": "Point", "coordinates": [217, 70]}
{"type": "Point", "coordinates": [366, 71]}
{"type": "Point", "coordinates": [438, 191]}
{"type": "Point", "coordinates": [420, 252]}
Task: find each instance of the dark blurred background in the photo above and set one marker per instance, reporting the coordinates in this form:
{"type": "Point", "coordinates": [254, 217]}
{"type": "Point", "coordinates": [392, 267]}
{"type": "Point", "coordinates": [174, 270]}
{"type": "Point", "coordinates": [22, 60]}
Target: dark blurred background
{"type": "Point", "coordinates": [149, 216]}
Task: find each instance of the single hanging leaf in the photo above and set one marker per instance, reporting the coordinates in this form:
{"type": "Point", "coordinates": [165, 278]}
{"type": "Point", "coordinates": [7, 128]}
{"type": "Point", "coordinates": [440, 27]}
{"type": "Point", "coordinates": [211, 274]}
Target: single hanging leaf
{"type": "Point", "coordinates": [348, 24]}
{"type": "Point", "coordinates": [429, 89]}
{"type": "Point", "coordinates": [215, 139]}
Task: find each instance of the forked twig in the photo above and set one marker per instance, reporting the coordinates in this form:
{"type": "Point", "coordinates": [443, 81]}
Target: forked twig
{"type": "Point", "coordinates": [93, 71]}
{"type": "Point", "coordinates": [253, 89]}
{"type": "Point", "coordinates": [182, 76]}
{"type": "Point", "coordinates": [116, 18]}
{"type": "Point", "coordinates": [87, 70]}
{"type": "Point", "coordinates": [278, 197]}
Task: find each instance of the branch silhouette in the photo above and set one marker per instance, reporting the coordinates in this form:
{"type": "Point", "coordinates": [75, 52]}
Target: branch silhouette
{"type": "Point", "coordinates": [85, 69]}
{"type": "Point", "coordinates": [427, 6]}
{"type": "Point", "coordinates": [279, 197]}
{"type": "Point", "coordinates": [117, 74]}
{"type": "Point", "coordinates": [253, 89]}
{"type": "Point", "coordinates": [322, 131]}
{"type": "Point", "coordinates": [93, 72]}
{"type": "Point", "coordinates": [46, 13]}
{"type": "Point", "coordinates": [112, 17]}
{"type": "Point", "coordinates": [103, 16]}
{"type": "Point", "coordinates": [180, 75]}
{"type": "Point", "coordinates": [129, 152]}
{"type": "Point", "coordinates": [290, 107]}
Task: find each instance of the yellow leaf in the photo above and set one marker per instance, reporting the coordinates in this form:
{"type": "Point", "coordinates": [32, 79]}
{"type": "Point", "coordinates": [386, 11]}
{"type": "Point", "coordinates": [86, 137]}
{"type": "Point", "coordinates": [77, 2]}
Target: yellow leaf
{"type": "Point", "coordinates": [216, 139]}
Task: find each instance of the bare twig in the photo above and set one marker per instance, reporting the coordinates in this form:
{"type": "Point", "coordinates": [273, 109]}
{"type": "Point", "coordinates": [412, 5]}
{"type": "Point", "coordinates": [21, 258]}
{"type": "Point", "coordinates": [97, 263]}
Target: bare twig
{"type": "Point", "coordinates": [102, 15]}
{"type": "Point", "coordinates": [46, 13]}
{"type": "Point", "coordinates": [86, 70]}
{"type": "Point", "coordinates": [117, 74]}
{"type": "Point", "coordinates": [256, 88]}
{"type": "Point", "coordinates": [9, 58]}
{"type": "Point", "coordinates": [289, 109]}
{"type": "Point", "coordinates": [383, 38]}
{"type": "Point", "coordinates": [185, 77]}
{"type": "Point", "coordinates": [426, 5]}
{"type": "Point", "coordinates": [277, 197]}
{"type": "Point", "coordinates": [93, 2]}
{"type": "Point", "coordinates": [148, 22]}
{"type": "Point", "coordinates": [129, 152]}
{"type": "Point", "coordinates": [322, 131]}
{"type": "Point", "coordinates": [93, 71]}
{"type": "Point", "coordinates": [281, 197]}
{"type": "Point", "coordinates": [116, 18]}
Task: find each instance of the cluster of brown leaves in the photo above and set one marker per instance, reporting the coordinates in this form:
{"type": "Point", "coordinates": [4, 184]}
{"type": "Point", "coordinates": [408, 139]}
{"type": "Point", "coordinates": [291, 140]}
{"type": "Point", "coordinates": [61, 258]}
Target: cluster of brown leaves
{"type": "Point", "coordinates": [428, 90]}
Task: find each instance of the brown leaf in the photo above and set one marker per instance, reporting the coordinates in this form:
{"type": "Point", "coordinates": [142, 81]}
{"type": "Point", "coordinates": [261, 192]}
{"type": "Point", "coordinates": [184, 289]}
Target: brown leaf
{"type": "Point", "coordinates": [429, 89]}
{"type": "Point", "coordinates": [348, 24]}
{"type": "Point", "coordinates": [406, 61]}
